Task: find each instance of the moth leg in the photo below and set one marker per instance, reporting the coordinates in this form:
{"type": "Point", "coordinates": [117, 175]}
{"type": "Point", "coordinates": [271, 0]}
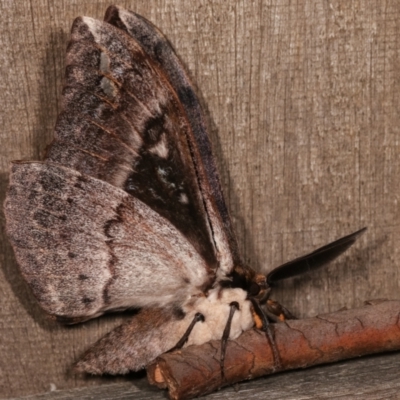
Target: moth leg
{"type": "Point", "coordinates": [225, 336]}
{"type": "Point", "coordinates": [198, 317]}
{"type": "Point", "coordinates": [266, 327]}
{"type": "Point", "coordinates": [277, 312]}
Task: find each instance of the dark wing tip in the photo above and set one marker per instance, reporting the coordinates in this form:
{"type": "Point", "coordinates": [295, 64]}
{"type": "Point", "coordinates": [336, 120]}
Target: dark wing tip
{"type": "Point", "coordinates": [314, 260]}
{"type": "Point", "coordinates": [111, 13]}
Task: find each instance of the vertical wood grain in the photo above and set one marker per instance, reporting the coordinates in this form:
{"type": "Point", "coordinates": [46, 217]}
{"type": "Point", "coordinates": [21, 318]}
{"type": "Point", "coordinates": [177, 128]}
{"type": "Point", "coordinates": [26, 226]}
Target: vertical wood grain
{"type": "Point", "coordinates": [303, 102]}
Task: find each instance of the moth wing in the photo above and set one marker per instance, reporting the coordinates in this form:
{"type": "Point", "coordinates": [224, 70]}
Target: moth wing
{"type": "Point", "coordinates": [157, 46]}
{"type": "Point", "coordinates": [132, 345]}
{"type": "Point", "coordinates": [86, 247]}
{"type": "Point", "coordinates": [124, 122]}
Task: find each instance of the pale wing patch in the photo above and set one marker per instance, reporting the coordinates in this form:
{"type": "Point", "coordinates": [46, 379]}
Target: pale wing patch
{"type": "Point", "coordinates": [108, 87]}
{"type": "Point", "coordinates": [104, 63]}
{"type": "Point", "coordinates": [161, 147]}
{"type": "Point", "coordinates": [94, 27]}
{"type": "Point", "coordinates": [183, 198]}
{"type": "Point", "coordinates": [120, 176]}
{"type": "Point", "coordinates": [225, 255]}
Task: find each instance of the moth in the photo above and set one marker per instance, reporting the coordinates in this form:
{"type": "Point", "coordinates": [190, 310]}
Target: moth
{"type": "Point", "coordinates": [126, 210]}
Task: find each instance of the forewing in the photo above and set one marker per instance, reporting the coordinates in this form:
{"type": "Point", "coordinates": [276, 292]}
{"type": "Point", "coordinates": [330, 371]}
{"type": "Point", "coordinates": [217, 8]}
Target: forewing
{"type": "Point", "coordinates": [124, 123]}
{"type": "Point", "coordinates": [86, 247]}
{"type": "Point", "coordinates": [156, 45]}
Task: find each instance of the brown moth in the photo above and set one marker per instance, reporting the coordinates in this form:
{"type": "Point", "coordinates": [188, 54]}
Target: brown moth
{"type": "Point", "coordinates": [126, 210]}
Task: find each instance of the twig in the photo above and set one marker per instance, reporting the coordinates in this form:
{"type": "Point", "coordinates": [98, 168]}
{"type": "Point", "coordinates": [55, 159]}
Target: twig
{"type": "Point", "coordinates": [195, 370]}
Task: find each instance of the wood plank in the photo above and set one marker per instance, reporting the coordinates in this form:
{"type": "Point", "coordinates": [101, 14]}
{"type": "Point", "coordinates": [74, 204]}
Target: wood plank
{"type": "Point", "coordinates": [303, 100]}
{"type": "Point", "coordinates": [368, 378]}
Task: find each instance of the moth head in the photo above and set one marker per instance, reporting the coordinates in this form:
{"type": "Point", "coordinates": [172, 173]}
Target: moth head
{"type": "Point", "coordinates": [247, 279]}
{"type": "Point", "coordinates": [258, 286]}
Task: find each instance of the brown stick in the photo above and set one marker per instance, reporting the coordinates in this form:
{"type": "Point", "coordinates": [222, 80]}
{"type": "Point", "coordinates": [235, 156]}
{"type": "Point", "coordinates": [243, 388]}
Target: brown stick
{"type": "Point", "coordinates": [195, 370]}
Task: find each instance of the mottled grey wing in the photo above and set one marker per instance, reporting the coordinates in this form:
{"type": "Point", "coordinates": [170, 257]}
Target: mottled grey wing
{"type": "Point", "coordinates": [124, 122]}
{"type": "Point", "coordinates": [86, 247]}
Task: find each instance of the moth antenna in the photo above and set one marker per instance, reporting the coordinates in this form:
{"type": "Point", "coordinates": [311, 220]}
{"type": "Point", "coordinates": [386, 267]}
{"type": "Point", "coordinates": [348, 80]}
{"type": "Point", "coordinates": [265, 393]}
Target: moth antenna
{"type": "Point", "coordinates": [314, 260]}
{"type": "Point", "coordinates": [266, 327]}
{"type": "Point", "coordinates": [225, 336]}
{"type": "Point", "coordinates": [198, 317]}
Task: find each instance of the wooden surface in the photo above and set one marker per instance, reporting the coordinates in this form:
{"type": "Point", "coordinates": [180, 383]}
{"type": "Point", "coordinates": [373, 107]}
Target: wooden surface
{"type": "Point", "coordinates": [369, 378]}
{"type": "Point", "coordinates": [303, 102]}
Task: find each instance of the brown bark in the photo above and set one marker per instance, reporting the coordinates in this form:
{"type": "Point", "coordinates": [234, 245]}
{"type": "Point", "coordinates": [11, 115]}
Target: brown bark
{"type": "Point", "coordinates": [301, 343]}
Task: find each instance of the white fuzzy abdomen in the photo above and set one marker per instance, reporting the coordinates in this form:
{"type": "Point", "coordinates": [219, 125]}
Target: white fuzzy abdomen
{"type": "Point", "coordinates": [215, 309]}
